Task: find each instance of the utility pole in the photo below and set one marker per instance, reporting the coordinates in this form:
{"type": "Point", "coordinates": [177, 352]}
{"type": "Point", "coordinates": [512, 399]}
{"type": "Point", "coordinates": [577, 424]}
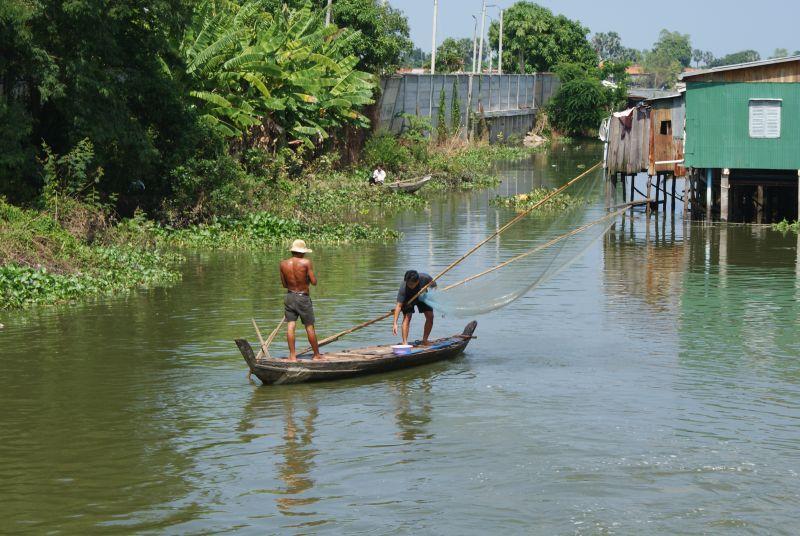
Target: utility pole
{"type": "Point", "coordinates": [328, 13]}
{"type": "Point", "coordinates": [500, 54]}
{"type": "Point", "coordinates": [475, 45]}
{"type": "Point", "coordinates": [483, 29]}
{"type": "Point", "coordinates": [433, 40]}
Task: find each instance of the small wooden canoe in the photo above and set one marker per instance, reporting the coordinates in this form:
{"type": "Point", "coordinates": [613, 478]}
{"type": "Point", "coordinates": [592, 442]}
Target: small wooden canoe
{"type": "Point", "coordinates": [409, 186]}
{"type": "Point", "coordinates": [355, 362]}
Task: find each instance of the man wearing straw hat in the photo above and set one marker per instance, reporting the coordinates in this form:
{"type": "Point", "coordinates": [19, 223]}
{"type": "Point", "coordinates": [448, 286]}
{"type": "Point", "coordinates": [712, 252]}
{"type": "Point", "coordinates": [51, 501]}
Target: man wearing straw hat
{"type": "Point", "coordinates": [296, 273]}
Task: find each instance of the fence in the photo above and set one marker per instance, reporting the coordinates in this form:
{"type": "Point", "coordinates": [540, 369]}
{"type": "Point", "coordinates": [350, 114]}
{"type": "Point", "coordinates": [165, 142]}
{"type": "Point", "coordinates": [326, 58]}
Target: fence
{"type": "Point", "coordinates": [509, 102]}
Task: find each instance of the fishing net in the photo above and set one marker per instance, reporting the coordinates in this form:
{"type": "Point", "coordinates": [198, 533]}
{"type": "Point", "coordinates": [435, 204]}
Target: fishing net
{"type": "Point", "coordinates": [536, 249]}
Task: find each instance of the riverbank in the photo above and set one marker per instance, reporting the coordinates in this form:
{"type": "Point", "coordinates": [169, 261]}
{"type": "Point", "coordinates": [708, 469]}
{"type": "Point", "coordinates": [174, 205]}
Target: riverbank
{"type": "Point", "coordinates": [43, 261]}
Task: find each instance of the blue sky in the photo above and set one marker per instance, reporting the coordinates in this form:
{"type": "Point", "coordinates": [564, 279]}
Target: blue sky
{"type": "Point", "coordinates": [715, 25]}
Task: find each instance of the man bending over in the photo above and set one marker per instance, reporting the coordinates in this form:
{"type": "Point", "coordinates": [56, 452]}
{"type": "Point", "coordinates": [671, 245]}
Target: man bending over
{"type": "Point", "coordinates": [412, 282]}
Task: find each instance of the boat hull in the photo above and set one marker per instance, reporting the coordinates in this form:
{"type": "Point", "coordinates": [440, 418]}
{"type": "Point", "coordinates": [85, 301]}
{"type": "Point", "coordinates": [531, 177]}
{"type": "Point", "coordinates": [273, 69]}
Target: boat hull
{"type": "Point", "coordinates": [351, 363]}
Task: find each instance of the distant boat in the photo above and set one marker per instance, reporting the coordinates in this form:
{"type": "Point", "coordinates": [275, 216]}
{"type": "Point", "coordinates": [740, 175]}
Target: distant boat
{"type": "Point", "coordinates": [409, 186]}
{"type": "Point", "coordinates": [355, 362]}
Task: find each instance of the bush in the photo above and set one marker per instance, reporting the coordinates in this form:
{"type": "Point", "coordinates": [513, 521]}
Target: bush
{"type": "Point", "coordinates": [578, 107]}
{"type": "Point", "coordinates": [203, 188]}
{"type": "Point", "coordinates": [384, 149]}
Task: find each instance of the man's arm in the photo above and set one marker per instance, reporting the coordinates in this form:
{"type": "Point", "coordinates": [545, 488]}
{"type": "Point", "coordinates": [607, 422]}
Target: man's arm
{"type": "Point", "coordinates": [397, 309]}
{"type": "Point", "coordinates": [311, 277]}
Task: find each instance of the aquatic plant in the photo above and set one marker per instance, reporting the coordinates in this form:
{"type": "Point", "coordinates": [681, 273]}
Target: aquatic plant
{"type": "Point", "coordinates": [521, 202]}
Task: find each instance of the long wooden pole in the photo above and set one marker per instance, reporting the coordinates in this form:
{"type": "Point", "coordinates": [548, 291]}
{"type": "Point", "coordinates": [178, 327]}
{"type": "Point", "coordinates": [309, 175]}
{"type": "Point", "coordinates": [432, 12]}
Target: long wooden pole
{"type": "Point", "coordinates": [453, 264]}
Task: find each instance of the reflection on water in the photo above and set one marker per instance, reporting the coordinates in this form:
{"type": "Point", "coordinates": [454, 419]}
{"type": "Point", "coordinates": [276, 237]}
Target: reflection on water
{"type": "Point", "coordinates": [651, 387]}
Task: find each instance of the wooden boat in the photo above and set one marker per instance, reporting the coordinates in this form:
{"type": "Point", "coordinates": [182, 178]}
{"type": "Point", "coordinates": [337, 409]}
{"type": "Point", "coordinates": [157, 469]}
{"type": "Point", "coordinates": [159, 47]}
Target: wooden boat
{"type": "Point", "coordinates": [409, 186]}
{"type": "Point", "coordinates": [355, 362]}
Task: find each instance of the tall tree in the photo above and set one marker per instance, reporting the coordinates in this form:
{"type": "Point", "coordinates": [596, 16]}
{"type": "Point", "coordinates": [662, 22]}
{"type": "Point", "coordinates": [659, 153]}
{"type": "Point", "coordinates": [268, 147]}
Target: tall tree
{"type": "Point", "coordinates": [452, 55]}
{"type": "Point", "coordinates": [608, 45]}
{"type": "Point", "coordinates": [383, 33]}
{"type": "Point", "coordinates": [675, 46]}
{"type": "Point", "coordinates": [537, 40]}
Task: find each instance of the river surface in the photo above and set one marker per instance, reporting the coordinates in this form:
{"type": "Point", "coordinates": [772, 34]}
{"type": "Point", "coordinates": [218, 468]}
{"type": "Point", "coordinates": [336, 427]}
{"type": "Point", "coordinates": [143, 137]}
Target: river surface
{"type": "Point", "coordinates": [652, 387]}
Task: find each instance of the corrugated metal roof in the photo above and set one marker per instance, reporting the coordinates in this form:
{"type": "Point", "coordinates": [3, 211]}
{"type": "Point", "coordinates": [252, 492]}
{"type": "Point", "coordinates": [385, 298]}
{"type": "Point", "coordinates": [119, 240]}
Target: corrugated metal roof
{"type": "Point", "coordinates": [648, 93]}
{"type": "Point", "coordinates": [738, 66]}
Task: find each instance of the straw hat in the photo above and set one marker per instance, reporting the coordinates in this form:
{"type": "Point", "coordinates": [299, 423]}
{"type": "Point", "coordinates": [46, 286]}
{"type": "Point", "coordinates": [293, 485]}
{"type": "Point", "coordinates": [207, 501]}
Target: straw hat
{"type": "Point", "coordinates": [299, 246]}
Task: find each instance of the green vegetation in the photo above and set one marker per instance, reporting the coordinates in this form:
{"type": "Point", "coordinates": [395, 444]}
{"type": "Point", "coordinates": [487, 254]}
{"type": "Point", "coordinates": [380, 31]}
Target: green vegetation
{"type": "Point", "coordinates": [442, 132]}
{"type": "Point", "coordinates": [41, 262]}
{"type": "Point", "coordinates": [670, 55]}
{"type": "Point", "coordinates": [454, 55]}
{"type": "Point", "coordinates": [521, 202]}
{"type": "Point", "coordinates": [582, 100]}
{"type": "Point", "coordinates": [608, 46]}
{"type": "Point", "coordinates": [271, 80]}
{"type": "Point", "coordinates": [786, 226]}
{"type": "Point", "coordinates": [455, 111]}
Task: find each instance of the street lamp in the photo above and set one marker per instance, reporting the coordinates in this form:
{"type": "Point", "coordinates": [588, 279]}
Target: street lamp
{"type": "Point", "coordinates": [433, 39]}
{"type": "Point", "coordinates": [500, 54]}
{"type": "Point", "coordinates": [474, 45]}
{"type": "Point", "coordinates": [483, 31]}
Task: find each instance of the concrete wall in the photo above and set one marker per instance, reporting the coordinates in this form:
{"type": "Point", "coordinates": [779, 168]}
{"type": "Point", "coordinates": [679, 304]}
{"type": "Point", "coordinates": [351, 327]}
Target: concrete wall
{"type": "Point", "coordinates": [508, 102]}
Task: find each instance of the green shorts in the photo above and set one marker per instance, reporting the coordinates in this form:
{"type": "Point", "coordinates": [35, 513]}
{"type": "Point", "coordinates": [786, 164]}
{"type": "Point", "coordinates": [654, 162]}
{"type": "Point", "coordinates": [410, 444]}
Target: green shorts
{"type": "Point", "coordinates": [298, 305]}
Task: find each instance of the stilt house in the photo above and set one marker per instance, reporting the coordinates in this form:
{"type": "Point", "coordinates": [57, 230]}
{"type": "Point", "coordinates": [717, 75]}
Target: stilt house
{"type": "Point", "coordinates": [743, 140]}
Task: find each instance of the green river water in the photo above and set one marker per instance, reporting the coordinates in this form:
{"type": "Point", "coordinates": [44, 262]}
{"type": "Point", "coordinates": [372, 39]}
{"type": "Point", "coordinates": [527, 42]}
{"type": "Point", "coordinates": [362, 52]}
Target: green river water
{"type": "Point", "coordinates": [652, 387]}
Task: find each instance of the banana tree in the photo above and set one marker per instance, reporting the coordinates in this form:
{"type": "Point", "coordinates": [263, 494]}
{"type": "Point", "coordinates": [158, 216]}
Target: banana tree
{"type": "Point", "coordinates": [273, 79]}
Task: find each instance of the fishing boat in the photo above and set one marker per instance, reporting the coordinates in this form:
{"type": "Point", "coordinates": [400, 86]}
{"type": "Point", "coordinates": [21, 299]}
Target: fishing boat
{"type": "Point", "coordinates": [409, 186]}
{"type": "Point", "coordinates": [354, 362]}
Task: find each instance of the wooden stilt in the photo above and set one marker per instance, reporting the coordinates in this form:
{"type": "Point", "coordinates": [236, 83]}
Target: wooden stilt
{"type": "Point", "coordinates": [760, 203]}
{"type": "Point", "coordinates": [672, 204]}
{"type": "Point", "coordinates": [658, 190]}
{"type": "Point", "coordinates": [624, 191]}
{"type": "Point", "coordinates": [649, 188]}
{"type": "Point", "coordinates": [633, 188]}
{"type": "Point", "coordinates": [686, 181]}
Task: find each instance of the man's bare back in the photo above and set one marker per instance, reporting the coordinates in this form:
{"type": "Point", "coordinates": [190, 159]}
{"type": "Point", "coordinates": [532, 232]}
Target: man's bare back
{"type": "Point", "coordinates": [297, 273]}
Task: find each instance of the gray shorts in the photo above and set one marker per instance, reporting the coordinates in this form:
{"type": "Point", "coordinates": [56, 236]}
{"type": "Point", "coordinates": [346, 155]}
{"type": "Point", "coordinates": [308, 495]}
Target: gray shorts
{"type": "Point", "coordinates": [295, 305]}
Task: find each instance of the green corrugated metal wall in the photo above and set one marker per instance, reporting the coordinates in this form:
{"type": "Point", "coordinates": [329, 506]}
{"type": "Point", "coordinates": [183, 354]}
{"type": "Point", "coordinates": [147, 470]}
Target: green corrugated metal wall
{"type": "Point", "coordinates": [717, 129]}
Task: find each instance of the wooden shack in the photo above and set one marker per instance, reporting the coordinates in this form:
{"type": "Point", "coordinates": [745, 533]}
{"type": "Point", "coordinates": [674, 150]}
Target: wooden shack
{"type": "Point", "coordinates": [665, 154]}
{"type": "Point", "coordinates": [743, 140]}
{"type": "Point", "coordinates": [628, 141]}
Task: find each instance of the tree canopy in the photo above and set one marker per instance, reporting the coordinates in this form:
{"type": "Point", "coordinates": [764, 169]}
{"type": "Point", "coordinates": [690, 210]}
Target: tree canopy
{"type": "Point", "coordinates": [454, 55]}
{"type": "Point", "coordinates": [743, 56]}
{"type": "Point", "coordinates": [536, 40]}
{"type": "Point", "coordinates": [383, 38]}
{"type": "Point", "coordinates": [609, 47]}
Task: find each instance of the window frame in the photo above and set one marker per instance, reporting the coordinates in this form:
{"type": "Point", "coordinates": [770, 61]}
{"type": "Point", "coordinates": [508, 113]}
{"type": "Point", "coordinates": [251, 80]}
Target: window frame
{"type": "Point", "coordinates": [764, 133]}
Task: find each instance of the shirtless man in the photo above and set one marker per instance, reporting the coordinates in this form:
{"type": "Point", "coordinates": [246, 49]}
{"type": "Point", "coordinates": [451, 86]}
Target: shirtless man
{"type": "Point", "coordinates": [296, 273]}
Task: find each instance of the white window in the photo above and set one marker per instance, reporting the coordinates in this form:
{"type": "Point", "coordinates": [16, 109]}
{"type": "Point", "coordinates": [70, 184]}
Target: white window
{"type": "Point", "coordinates": [765, 118]}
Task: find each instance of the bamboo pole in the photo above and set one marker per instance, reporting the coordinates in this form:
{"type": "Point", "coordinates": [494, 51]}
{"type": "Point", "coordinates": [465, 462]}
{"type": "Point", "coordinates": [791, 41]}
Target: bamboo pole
{"type": "Point", "coordinates": [260, 339]}
{"type": "Point", "coordinates": [453, 264]}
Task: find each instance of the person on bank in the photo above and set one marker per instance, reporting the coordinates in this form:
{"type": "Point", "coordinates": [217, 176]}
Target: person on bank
{"type": "Point", "coordinates": [378, 176]}
{"type": "Point", "coordinates": [296, 274]}
{"type": "Point", "coordinates": [412, 282]}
